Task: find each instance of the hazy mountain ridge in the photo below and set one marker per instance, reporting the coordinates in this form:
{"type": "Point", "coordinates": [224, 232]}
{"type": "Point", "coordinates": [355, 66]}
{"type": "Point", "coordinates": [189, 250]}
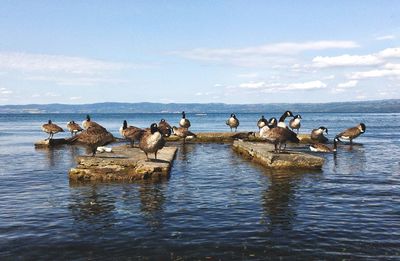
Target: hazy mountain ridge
{"type": "Point", "coordinates": [377, 106]}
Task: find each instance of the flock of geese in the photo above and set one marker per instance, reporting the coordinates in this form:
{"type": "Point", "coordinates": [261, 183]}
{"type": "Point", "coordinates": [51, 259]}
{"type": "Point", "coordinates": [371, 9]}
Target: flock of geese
{"type": "Point", "coordinates": [150, 140]}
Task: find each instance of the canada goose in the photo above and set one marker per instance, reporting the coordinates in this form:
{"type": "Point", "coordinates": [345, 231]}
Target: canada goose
{"type": "Point", "coordinates": [279, 136]}
{"type": "Point", "coordinates": [164, 128]}
{"type": "Point", "coordinates": [281, 122]}
{"type": "Point", "coordinates": [131, 133]}
{"type": "Point", "coordinates": [89, 123]}
{"type": "Point", "coordinates": [51, 129]}
{"type": "Point", "coordinates": [183, 133]}
{"type": "Point", "coordinates": [233, 122]}
{"type": "Point", "coordinates": [272, 122]}
{"type": "Point", "coordinates": [319, 147]}
{"type": "Point", "coordinates": [262, 122]}
{"type": "Point", "coordinates": [93, 137]}
{"type": "Point", "coordinates": [74, 127]}
{"type": "Point", "coordinates": [184, 123]}
{"type": "Point", "coordinates": [295, 123]}
{"type": "Point", "coordinates": [352, 133]}
{"type": "Point", "coordinates": [152, 141]}
{"type": "Point", "coordinates": [318, 135]}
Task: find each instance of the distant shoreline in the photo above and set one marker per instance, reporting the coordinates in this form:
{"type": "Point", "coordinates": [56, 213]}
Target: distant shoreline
{"type": "Point", "coordinates": [376, 106]}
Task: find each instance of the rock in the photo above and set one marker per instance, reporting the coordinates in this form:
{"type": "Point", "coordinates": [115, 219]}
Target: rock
{"type": "Point", "coordinates": [264, 154]}
{"type": "Point", "coordinates": [124, 164]}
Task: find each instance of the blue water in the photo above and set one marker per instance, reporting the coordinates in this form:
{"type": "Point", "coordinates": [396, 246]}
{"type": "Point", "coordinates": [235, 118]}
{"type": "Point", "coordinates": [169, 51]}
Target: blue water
{"type": "Point", "coordinates": [216, 205]}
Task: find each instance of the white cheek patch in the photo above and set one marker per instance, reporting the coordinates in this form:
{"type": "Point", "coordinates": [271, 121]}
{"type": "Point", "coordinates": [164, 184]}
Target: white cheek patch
{"type": "Point", "coordinates": [281, 124]}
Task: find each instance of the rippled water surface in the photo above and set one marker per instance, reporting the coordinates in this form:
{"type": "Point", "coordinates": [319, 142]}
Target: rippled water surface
{"type": "Point", "coordinates": [216, 205]}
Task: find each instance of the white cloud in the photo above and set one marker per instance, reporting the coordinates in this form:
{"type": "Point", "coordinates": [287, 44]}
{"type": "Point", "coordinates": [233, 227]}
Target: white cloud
{"type": "Point", "coordinates": [248, 75]}
{"type": "Point", "coordinates": [348, 84]}
{"type": "Point", "coordinates": [252, 85]}
{"type": "Point", "coordinates": [385, 37]}
{"type": "Point", "coordinates": [306, 86]}
{"type": "Point", "coordinates": [5, 92]}
{"type": "Point", "coordinates": [346, 60]}
{"type": "Point", "coordinates": [75, 98]}
{"type": "Point", "coordinates": [256, 55]}
{"type": "Point", "coordinates": [375, 74]}
{"type": "Point", "coordinates": [55, 63]}
{"type": "Point", "coordinates": [390, 53]}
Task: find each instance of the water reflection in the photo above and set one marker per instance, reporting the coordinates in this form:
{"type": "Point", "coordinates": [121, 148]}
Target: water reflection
{"type": "Point", "coordinates": [279, 199]}
{"type": "Point", "coordinates": [350, 159]}
{"type": "Point", "coordinates": [92, 205]}
{"type": "Point", "coordinates": [152, 199]}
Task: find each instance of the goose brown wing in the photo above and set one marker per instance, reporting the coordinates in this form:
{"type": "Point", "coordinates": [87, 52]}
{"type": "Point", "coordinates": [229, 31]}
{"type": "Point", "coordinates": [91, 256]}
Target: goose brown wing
{"type": "Point", "coordinates": [133, 132]}
{"type": "Point", "coordinates": [351, 132]}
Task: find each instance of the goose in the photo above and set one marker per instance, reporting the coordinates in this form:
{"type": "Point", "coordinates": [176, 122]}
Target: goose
{"type": "Point", "coordinates": [51, 129]}
{"type": "Point", "coordinates": [131, 133]}
{"type": "Point", "coordinates": [93, 137]}
{"type": "Point", "coordinates": [88, 123]}
{"type": "Point", "coordinates": [184, 123]}
{"type": "Point", "coordinates": [279, 136]}
{"type": "Point", "coordinates": [272, 122]}
{"type": "Point", "coordinates": [319, 147]}
{"type": "Point", "coordinates": [233, 122]}
{"type": "Point", "coordinates": [295, 123]}
{"type": "Point", "coordinates": [164, 128]}
{"type": "Point", "coordinates": [74, 127]}
{"type": "Point", "coordinates": [281, 122]}
{"type": "Point", "coordinates": [262, 122]}
{"type": "Point", "coordinates": [352, 133]}
{"type": "Point", "coordinates": [183, 133]}
{"type": "Point", "coordinates": [318, 135]}
{"type": "Point", "coordinates": [152, 141]}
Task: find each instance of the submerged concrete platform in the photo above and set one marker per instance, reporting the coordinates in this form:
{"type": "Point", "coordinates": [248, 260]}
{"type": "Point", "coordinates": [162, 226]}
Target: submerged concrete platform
{"type": "Point", "coordinates": [123, 164]}
{"type": "Point", "coordinates": [264, 154]}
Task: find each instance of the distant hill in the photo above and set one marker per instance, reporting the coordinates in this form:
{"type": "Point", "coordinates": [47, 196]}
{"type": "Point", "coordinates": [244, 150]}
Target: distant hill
{"type": "Point", "coordinates": [146, 107]}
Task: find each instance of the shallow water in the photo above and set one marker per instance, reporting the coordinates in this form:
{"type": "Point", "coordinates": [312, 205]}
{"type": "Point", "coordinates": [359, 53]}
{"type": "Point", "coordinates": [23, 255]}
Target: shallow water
{"type": "Point", "coordinates": [215, 205]}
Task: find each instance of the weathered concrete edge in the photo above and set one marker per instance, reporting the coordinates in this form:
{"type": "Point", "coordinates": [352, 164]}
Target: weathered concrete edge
{"type": "Point", "coordinates": [122, 170]}
{"type": "Point", "coordinates": [272, 161]}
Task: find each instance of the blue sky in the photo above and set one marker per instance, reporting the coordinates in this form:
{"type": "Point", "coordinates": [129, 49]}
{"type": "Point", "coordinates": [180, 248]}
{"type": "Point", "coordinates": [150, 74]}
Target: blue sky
{"type": "Point", "coordinates": [198, 51]}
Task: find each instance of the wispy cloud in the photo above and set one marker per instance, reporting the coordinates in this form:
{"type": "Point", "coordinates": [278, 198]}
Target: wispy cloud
{"type": "Point", "coordinates": [281, 87]}
{"type": "Point", "coordinates": [254, 55]}
{"type": "Point", "coordinates": [378, 73]}
{"type": "Point", "coordinates": [348, 84]}
{"type": "Point", "coordinates": [55, 63]}
{"type": "Point", "coordinates": [75, 81]}
{"type": "Point", "coordinates": [385, 37]}
{"type": "Point", "coordinates": [346, 60]}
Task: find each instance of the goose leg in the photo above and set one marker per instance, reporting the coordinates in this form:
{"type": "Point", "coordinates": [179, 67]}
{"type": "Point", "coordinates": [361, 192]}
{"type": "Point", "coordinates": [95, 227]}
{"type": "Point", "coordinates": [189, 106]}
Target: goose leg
{"type": "Point", "coordinates": [155, 155]}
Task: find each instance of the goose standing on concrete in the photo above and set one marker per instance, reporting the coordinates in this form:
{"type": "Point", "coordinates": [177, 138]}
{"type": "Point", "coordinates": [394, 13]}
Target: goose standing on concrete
{"type": "Point", "coordinates": [131, 133]}
{"type": "Point", "coordinates": [262, 122]}
{"type": "Point", "coordinates": [233, 122]}
{"type": "Point", "coordinates": [51, 129]}
{"type": "Point", "coordinates": [318, 135]}
{"type": "Point", "coordinates": [319, 147]}
{"type": "Point", "coordinates": [164, 128]}
{"type": "Point", "coordinates": [74, 127]}
{"type": "Point", "coordinates": [279, 136]}
{"type": "Point", "coordinates": [183, 133]}
{"type": "Point", "coordinates": [281, 122]}
{"type": "Point", "coordinates": [352, 133]}
{"type": "Point", "coordinates": [294, 123]}
{"type": "Point", "coordinates": [152, 141]}
{"type": "Point", "coordinates": [93, 137]}
{"type": "Point", "coordinates": [184, 123]}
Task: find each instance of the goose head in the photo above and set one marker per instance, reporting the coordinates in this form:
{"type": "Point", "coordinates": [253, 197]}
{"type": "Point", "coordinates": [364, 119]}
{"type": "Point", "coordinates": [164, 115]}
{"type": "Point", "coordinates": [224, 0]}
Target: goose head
{"type": "Point", "coordinates": [362, 127]}
{"type": "Point", "coordinates": [153, 128]}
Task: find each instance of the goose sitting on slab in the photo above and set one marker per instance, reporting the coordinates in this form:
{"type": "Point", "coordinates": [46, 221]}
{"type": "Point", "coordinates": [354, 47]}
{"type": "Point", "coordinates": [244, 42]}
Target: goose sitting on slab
{"type": "Point", "coordinates": [74, 127]}
{"type": "Point", "coordinates": [152, 141]}
{"type": "Point", "coordinates": [93, 137]}
{"type": "Point", "coordinates": [183, 133]}
{"type": "Point", "coordinates": [352, 133]}
{"type": "Point", "coordinates": [294, 123]}
{"type": "Point", "coordinates": [51, 129]}
{"type": "Point", "coordinates": [89, 123]}
{"type": "Point", "coordinates": [281, 122]}
{"type": "Point", "coordinates": [262, 122]}
{"type": "Point", "coordinates": [165, 128]}
{"type": "Point", "coordinates": [317, 135]}
{"type": "Point", "coordinates": [131, 133]}
{"type": "Point", "coordinates": [319, 147]}
{"type": "Point", "coordinates": [184, 123]}
{"type": "Point", "coordinates": [233, 122]}
{"type": "Point", "coordinates": [279, 136]}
